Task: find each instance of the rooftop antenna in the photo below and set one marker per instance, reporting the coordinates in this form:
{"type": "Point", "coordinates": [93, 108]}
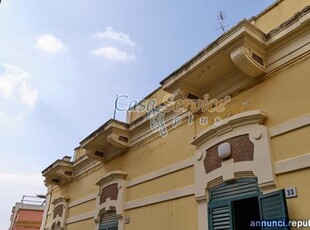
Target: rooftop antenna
{"type": "Point", "coordinates": [115, 106]}
{"type": "Point", "coordinates": [221, 18]}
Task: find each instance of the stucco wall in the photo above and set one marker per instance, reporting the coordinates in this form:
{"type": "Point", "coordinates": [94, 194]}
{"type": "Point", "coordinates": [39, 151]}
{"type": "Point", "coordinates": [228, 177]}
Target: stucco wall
{"type": "Point", "coordinates": [283, 96]}
{"type": "Point", "coordinates": [278, 14]}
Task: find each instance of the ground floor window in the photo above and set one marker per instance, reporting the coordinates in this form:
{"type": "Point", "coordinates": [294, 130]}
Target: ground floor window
{"type": "Point", "coordinates": [108, 221]}
{"type": "Point", "coordinates": [239, 205]}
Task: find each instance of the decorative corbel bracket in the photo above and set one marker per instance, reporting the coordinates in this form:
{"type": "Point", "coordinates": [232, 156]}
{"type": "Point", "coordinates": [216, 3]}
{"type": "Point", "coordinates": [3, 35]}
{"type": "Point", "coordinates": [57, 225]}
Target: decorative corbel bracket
{"type": "Point", "coordinates": [249, 60]}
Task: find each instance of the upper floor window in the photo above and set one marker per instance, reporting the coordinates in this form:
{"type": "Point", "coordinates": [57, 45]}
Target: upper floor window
{"type": "Point", "coordinates": [109, 213]}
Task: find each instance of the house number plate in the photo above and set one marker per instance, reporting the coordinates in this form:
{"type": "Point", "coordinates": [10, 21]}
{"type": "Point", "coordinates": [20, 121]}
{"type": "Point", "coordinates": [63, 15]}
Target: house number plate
{"type": "Point", "coordinates": [290, 192]}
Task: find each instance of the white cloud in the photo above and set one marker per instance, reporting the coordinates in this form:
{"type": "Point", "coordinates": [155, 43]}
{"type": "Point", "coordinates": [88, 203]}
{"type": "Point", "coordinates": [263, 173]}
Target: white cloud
{"type": "Point", "coordinates": [17, 96]}
{"type": "Point", "coordinates": [49, 43]}
{"type": "Point", "coordinates": [110, 34]}
{"type": "Point", "coordinates": [28, 96]}
{"type": "Point", "coordinates": [113, 54]}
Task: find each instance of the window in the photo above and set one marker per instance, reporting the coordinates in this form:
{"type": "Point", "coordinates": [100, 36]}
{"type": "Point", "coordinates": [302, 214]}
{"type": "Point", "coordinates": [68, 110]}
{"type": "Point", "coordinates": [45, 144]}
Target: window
{"type": "Point", "coordinates": [60, 212]}
{"type": "Point", "coordinates": [239, 205]}
{"type": "Point", "coordinates": [108, 221]}
{"type": "Point", "coordinates": [56, 226]}
{"type": "Point", "coordinates": [109, 212]}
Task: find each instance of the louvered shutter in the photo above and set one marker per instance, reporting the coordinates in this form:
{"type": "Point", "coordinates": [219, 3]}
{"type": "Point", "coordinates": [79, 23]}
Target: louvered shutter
{"type": "Point", "coordinates": [108, 221]}
{"type": "Point", "coordinates": [220, 216]}
{"type": "Point", "coordinates": [273, 208]}
{"type": "Point", "coordinates": [231, 191]}
{"type": "Point", "coordinates": [221, 197]}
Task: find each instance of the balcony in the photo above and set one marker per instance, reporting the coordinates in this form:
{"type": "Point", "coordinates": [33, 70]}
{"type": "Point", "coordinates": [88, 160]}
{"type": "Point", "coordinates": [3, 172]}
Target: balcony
{"type": "Point", "coordinates": [108, 142]}
{"type": "Point", "coordinates": [229, 64]}
{"type": "Point", "coordinates": [59, 173]}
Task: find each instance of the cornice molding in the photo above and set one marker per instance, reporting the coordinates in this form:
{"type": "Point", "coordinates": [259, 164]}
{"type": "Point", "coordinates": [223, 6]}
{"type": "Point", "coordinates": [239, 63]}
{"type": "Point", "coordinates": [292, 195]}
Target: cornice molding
{"type": "Point", "coordinates": [61, 200]}
{"type": "Point", "coordinates": [246, 118]}
{"type": "Point", "coordinates": [110, 177]}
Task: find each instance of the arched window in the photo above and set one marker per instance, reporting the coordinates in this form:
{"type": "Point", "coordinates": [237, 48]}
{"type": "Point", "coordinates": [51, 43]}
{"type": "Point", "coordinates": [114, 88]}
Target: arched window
{"type": "Point", "coordinates": [108, 221]}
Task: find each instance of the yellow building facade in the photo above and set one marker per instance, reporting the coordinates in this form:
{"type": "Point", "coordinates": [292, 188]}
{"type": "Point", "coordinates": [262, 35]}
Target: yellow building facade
{"type": "Point", "coordinates": [223, 143]}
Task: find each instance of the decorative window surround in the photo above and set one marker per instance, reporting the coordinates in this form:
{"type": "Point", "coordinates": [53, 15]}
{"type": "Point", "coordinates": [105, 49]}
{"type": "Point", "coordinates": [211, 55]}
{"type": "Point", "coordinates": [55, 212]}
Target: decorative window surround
{"type": "Point", "coordinates": [247, 123]}
{"type": "Point", "coordinates": [227, 125]}
{"type": "Point", "coordinates": [115, 201]}
{"type": "Point", "coordinates": [60, 212]}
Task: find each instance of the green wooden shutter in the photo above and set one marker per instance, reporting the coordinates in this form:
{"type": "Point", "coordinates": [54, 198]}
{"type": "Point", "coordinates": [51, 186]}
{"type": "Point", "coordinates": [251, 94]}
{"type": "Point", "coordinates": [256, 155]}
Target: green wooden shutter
{"type": "Point", "coordinates": [220, 211]}
{"type": "Point", "coordinates": [273, 208]}
{"type": "Point", "coordinates": [235, 189]}
{"type": "Point", "coordinates": [108, 221]}
{"type": "Point", "coordinates": [220, 216]}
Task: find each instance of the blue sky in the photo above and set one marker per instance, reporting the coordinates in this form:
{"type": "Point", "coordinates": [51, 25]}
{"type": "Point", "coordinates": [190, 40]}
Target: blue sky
{"type": "Point", "coordinates": [63, 62]}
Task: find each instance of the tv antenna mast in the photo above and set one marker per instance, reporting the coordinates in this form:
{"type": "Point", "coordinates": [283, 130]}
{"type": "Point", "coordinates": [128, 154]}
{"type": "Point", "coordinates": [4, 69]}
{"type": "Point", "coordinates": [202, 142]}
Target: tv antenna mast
{"type": "Point", "coordinates": [115, 107]}
{"type": "Point", "coordinates": [221, 18]}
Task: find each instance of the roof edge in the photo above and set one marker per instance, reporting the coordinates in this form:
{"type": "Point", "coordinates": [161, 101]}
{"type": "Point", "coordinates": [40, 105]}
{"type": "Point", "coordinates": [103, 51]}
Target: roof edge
{"type": "Point", "coordinates": [243, 22]}
{"type": "Point", "coordinates": [102, 128]}
{"type": "Point", "coordinates": [266, 10]}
